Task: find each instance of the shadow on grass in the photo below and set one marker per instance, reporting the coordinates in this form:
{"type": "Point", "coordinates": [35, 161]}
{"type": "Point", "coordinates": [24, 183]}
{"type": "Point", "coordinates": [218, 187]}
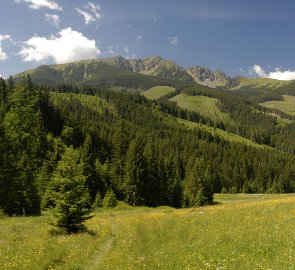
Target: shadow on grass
{"type": "Point", "coordinates": [216, 203]}
{"type": "Point", "coordinates": [62, 231]}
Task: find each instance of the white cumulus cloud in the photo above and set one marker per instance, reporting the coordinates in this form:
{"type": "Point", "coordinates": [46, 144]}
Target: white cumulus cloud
{"type": "Point", "coordinates": [3, 55]}
{"type": "Point", "coordinates": [37, 4]}
{"type": "Point", "coordinates": [91, 12]}
{"type": "Point", "coordinates": [53, 19]}
{"type": "Point", "coordinates": [68, 45]}
{"type": "Point", "coordinates": [277, 74]}
{"type": "Point", "coordinates": [173, 40]}
{"type": "Point", "coordinates": [111, 50]}
{"type": "Point", "coordinates": [258, 70]}
{"type": "Point", "coordinates": [285, 75]}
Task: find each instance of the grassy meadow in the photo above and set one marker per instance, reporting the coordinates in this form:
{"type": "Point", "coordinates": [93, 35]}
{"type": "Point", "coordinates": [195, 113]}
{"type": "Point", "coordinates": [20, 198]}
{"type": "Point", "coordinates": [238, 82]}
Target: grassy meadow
{"type": "Point", "coordinates": [201, 104]}
{"type": "Point", "coordinates": [264, 84]}
{"type": "Point", "coordinates": [238, 232]}
{"type": "Point", "coordinates": [158, 91]}
{"type": "Point", "coordinates": [287, 105]}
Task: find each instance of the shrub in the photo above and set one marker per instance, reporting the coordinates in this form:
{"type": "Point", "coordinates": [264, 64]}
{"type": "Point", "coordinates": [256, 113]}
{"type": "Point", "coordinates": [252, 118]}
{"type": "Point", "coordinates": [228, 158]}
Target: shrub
{"type": "Point", "coordinates": [110, 199]}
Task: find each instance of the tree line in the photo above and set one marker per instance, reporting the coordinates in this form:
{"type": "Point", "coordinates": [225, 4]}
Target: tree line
{"type": "Point", "coordinates": [63, 149]}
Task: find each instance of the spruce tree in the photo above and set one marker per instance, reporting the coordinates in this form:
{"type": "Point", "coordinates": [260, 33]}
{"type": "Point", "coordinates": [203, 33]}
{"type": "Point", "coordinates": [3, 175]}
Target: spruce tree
{"type": "Point", "coordinates": [120, 148]}
{"type": "Point", "coordinates": [88, 159]}
{"type": "Point", "coordinates": [110, 199]}
{"type": "Point", "coordinates": [3, 97]}
{"type": "Point", "coordinates": [10, 182]}
{"type": "Point", "coordinates": [67, 194]}
{"type": "Point", "coordinates": [198, 189]}
{"type": "Point", "coordinates": [134, 173]}
{"type": "Point", "coordinates": [151, 179]}
{"type": "Point", "coordinates": [24, 128]}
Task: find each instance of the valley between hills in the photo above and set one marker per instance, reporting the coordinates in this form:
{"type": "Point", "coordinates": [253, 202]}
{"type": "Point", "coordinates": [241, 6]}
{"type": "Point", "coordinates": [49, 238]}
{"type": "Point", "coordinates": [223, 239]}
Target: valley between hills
{"type": "Point", "coordinates": [115, 156]}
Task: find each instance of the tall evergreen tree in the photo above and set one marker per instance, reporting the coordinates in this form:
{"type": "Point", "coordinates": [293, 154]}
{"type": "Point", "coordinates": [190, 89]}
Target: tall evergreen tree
{"type": "Point", "coordinates": [151, 181]}
{"type": "Point", "coordinates": [67, 194]}
{"type": "Point", "coordinates": [24, 128]}
{"type": "Point", "coordinates": [10, 84]}
{"type": "Point", "coordinates": [3, 97]}
{"type": "Point", "coordinates": [56, 150]}
{"type": "Point", "coordinates": [88, 159]}
{"type": "Point", "coordinates": [10, 184]}
{"type": "Point", "coordinates": [198, 190]}
{"type": "Point", "coordinates": [134, 173]}
{"type": "Point", "coordinates": [120, 147]}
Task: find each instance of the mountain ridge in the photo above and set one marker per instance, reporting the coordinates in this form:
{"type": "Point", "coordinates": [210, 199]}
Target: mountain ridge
{"type": "Point", "coordinates": [109, 71]}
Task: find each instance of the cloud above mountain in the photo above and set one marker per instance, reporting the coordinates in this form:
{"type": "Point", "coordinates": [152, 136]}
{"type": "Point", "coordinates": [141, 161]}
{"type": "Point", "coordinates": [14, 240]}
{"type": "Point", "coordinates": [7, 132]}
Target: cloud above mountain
{"type": "Point", "coordinates": [91, 12]}
{"type": "Point", "coordinates": [68, 45]}
{"type": "Point", "coordinates": [37, 4]}
{"type": "Point", "coordinates": [173, 40]}
{"type": "Point", "coordinates": [3, 55]}
{"type": "Point", "coordinates": [277, 74]}
{"type": "Point", "coordinates": [53, 19]}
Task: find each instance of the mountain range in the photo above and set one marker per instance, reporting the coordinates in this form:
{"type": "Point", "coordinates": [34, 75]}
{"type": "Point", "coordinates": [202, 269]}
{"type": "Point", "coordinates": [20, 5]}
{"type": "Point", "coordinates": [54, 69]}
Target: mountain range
{"type": "Point", "coordinates": [119, 71]}
{"type": "Point", "coordinates": [148, 126]}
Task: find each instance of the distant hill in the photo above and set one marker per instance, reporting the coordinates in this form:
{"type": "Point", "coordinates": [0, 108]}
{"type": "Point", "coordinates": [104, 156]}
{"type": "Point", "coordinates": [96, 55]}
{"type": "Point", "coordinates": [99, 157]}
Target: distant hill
{"type": "Point", "coordinates": [98, 72]}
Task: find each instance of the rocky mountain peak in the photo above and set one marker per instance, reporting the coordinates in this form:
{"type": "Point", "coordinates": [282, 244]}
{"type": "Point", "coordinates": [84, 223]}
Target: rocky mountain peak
{"type": "Point", "coordinates": [205, 76]}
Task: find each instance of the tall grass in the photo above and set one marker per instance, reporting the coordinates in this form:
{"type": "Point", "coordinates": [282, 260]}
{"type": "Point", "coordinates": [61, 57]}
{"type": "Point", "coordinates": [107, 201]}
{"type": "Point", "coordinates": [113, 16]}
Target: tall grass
{"type": "Point", "coordinates": [240, 232]}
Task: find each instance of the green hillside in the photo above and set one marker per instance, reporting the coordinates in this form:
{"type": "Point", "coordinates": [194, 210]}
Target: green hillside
{"type": "Point", "coordinates": [204, 105]}
{"type": "Point", "coordinates": [253, 87]}
{"type": "Point", "coordinates": [287, 105]}
{"type": "Point", "coordinates": [263, 84]}
{"type": "Point", "coordinates": [94, 103]}
{"type": "Point", "coordinates": [223, 134]}
{"type": "Point", "coordinates": [158, 91]}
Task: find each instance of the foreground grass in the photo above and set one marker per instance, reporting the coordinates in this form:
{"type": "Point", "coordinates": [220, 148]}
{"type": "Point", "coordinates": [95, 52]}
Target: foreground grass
{"type": "Point", "coordinates": [241, 232]}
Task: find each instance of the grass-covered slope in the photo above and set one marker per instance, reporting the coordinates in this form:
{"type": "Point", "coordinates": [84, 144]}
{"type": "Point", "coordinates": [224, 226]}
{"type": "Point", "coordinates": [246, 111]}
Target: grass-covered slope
{"type": "Point", "coordinates": [259, 83]}
{"type": "Point", "coordinates": [253, 87]}
{"type": "Point", "coordinates": [158, 91]}
{"type": "Point", "coordinates": [240, 232]}
{"type": "Point", "coordinates": [222, 133]}
{"type": "Point", "coordinates": [201, 104]}
{"type": "Point", "coordinates": [287, 105]}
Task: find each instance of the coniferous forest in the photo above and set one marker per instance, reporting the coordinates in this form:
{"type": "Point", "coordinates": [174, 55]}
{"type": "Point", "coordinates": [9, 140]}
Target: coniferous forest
{"type": "Point", "coordinates": [68, 145]}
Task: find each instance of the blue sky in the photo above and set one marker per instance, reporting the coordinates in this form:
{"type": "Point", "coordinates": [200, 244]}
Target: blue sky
{"type": "Point", "coordinates": [240, 37]}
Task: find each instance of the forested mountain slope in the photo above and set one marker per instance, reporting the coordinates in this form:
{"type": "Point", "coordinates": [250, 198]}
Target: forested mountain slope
{"type": "Point", "coordinates": [121, 141]}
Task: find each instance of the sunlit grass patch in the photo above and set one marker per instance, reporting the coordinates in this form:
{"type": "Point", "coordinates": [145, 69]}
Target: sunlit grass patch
{"type": "Point", "coordinates": [242, 231]}
{"type": "Point", "coordinates": [158, 91]}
